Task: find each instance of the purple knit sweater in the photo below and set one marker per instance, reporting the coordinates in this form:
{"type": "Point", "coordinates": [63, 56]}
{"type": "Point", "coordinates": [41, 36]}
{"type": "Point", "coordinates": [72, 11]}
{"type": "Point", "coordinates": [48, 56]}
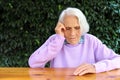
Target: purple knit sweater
{"type": "Point", "coordinates": [61, 54]}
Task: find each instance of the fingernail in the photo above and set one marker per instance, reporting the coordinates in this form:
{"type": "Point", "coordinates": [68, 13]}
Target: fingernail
{"type": "Point", "coordinates": [74, 73]}
{"type": "Point", "coordinates": [80, 74]}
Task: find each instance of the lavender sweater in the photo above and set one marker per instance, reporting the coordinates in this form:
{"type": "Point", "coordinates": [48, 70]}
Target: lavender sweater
{"type": "Point", "coordinates": [89, 50]}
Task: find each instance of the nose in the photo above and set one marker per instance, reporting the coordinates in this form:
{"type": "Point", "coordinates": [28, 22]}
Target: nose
{"type": "Point", "coordinates": [72, 32]}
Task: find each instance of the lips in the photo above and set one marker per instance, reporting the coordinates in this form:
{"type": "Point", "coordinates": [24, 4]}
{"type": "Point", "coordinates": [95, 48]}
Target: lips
{"type": "Point", "coordinates": [72, 38]}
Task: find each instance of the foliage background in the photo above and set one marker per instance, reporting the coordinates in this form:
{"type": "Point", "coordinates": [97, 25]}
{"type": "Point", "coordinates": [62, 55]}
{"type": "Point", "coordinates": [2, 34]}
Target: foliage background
{"type": "Point", "coordinates": [26, 24]}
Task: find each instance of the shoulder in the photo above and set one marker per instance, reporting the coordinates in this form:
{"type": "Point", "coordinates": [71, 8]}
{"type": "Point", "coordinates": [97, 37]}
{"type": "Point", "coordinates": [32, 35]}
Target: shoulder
{"type": "Point", "coordinates": [91, 38]}
{"type": "Point", "coordinates": [54, 36]}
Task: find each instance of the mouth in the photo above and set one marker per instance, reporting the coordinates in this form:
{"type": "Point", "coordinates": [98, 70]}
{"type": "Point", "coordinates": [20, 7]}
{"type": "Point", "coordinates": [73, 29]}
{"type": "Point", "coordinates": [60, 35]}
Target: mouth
{"type": "Point", "coordinates": [72, 38]}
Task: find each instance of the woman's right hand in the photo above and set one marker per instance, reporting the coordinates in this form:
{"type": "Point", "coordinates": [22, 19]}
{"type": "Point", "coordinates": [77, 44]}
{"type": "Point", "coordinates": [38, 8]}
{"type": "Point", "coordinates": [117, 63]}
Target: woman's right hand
{"type": "Point", "coordinates": [60, 28]}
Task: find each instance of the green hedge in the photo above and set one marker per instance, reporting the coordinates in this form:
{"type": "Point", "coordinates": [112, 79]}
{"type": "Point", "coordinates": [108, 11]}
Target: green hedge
{"type": "Point", "coordinates": [26, 24]}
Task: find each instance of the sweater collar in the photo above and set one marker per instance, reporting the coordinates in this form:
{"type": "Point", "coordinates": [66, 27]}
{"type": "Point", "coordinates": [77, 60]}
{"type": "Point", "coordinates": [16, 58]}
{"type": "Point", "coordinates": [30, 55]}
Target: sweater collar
{"type": "Point", "coordinates": [81, 41]}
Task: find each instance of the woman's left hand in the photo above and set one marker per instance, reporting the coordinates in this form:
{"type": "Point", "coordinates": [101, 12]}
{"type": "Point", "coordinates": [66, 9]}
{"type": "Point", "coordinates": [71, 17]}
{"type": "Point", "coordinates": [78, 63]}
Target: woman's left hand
{"type": "Point", "coordinates": [84, 69]}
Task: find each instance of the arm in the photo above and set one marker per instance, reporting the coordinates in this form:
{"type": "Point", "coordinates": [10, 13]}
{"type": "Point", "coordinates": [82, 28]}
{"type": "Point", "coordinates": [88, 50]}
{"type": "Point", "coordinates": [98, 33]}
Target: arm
{"type": "Point", "coordinates": [106, 58]}
{"type": "Point", "coordinates": [49, 49]}
{"type": "Point", "coordinates": [46, 52]}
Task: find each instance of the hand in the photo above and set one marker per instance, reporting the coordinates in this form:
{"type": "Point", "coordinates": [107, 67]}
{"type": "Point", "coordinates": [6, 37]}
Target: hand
{"type": "Point", "coordinates": [84, 69]}
{"type": "Point", "coordinates": [60, 28]}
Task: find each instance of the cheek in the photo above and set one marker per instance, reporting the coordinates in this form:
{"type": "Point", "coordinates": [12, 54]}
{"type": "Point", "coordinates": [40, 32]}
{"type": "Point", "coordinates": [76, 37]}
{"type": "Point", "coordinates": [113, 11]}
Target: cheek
{"type": "Point", "coordinates": [79, 32]}
{"type": "Point", "coordinates": [66, 34]}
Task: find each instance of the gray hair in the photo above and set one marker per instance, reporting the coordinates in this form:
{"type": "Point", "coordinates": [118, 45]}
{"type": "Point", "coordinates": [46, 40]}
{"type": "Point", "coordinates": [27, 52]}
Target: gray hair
{"type": "Point", "coordinates": [79, 14]}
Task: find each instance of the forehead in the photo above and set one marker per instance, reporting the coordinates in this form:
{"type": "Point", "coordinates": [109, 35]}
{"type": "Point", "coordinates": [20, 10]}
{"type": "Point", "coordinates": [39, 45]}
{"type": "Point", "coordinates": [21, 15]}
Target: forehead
{"type": "Point", "coordinates": [71, 20]}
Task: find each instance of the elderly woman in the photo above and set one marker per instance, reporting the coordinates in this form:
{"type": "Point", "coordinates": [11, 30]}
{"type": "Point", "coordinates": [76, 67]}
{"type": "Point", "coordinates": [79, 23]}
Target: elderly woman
{"type": "Point", "coordinates": [73, 47]}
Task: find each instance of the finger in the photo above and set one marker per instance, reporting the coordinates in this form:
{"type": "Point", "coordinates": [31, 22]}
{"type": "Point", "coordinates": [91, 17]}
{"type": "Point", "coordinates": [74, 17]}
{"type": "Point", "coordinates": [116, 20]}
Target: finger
{"type": "Point", "coordinates": [61, 25]}
{"type": "Point", "coordinates": [63, 28]}
{"type": "Point", "coordinates": [80, 69]}
{"type": "Point", "coordinates": [89, 69]}
{"type": "Point", "coordinates": [83, 72]}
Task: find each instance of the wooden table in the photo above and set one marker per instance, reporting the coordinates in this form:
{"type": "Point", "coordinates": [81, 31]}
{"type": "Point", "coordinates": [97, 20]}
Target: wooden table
{"type": "Point", "coordinates": [53, 74]}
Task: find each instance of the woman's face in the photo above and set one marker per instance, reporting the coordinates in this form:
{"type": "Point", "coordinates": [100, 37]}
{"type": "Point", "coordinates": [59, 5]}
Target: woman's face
{"type": "Point", "coordinates": [72, 32]}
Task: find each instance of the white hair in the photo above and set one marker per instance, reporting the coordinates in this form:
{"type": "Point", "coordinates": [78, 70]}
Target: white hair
{"type": "Point", "coordinates": [79, 14]}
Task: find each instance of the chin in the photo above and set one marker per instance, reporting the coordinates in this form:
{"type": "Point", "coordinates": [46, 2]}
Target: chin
{"type": "Point", "coordinates": [74, 43]}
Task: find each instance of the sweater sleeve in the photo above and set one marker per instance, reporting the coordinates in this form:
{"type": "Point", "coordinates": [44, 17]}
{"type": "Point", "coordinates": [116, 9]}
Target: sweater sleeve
{"type": "Point", "coordinates": [46, 52]}
{"type": "Point", "coordinates": [106, 58]}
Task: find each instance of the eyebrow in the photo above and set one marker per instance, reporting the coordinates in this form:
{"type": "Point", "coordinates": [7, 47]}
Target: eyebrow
{"type": "Point", "coordinates": [74, 26]}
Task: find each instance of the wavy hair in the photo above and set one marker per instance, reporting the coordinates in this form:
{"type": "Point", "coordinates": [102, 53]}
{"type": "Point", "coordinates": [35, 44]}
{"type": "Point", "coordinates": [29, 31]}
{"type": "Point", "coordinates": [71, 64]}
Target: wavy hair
{"type": "Point", "coordinates": [79, 14]}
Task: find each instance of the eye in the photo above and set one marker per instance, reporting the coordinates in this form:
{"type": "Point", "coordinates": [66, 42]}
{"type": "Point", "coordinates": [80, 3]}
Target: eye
{"type": "Point", "coordinates": [77, 27]}
{"type": "Point", "coordinates": [68, 28]}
